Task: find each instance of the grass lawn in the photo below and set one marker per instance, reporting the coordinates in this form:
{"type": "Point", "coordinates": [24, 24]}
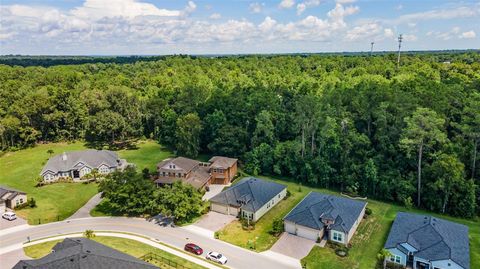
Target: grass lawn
{"type": "Point", "coordinates": [127, 246]}
{"type": "Point", "coordinates": [59, 201]}
{"type": "Point", "coordinates": [366, 243]}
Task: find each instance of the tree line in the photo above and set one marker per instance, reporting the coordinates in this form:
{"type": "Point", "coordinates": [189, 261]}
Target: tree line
{"type": "Point", "coordinates": [353, 123]}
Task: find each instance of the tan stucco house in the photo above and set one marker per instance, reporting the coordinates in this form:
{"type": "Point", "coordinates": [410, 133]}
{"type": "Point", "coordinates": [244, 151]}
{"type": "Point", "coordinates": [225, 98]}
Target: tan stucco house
{"type": "Point", "coordinates": [11, 198]}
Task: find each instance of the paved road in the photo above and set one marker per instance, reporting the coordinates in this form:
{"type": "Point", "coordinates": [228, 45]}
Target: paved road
{"type": "Point", "coordinates": [84, 211]}
{"type": "Point", "coordinates": [177, 237]}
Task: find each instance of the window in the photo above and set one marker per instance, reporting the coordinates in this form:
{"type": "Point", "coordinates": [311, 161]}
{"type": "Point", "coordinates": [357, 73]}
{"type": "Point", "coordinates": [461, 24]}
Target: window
{"type": "Point", "coordinates": [21, 200]}
{"type": "Point", "coordinates": [395, 258]}
{"type": "Point", "coordinates": [337, 237]}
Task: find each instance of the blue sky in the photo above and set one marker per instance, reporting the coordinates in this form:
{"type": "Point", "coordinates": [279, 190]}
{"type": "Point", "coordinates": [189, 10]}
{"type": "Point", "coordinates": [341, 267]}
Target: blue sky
{"type": "Point", "coordinates": [124, 27]}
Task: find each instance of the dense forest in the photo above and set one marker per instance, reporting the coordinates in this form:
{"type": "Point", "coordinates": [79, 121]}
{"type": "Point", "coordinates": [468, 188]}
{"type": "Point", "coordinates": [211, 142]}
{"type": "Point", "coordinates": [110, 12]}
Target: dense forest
{"type": "Point", "coordinates": [354, 123]}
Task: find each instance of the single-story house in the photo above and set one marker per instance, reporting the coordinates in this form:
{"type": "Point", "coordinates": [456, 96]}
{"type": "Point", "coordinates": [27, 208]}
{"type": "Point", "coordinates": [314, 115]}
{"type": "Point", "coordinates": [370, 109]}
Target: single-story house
{"type": "Point", "coordinates": [320, 216]}
{"type": "Point", "coordinates": [83, 253]}
{"type": "Point", "coordinates": [11, 198]}
{"type": "Point", "coordinates": [425, 242]}
{"type": "Point", "coordinates": [218, 170]}
{"type": "Point", "coordinates": [250, 198]}
{"type": "Point", "coordinates": [77, 164]}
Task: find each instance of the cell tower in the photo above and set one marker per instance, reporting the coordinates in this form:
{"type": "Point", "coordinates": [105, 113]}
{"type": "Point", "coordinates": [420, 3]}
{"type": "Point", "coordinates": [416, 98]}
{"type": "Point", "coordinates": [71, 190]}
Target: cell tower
{"type": "Point", "coordinates": [371, 48]}
{"type": "Point", "coordinates": [400, 39]}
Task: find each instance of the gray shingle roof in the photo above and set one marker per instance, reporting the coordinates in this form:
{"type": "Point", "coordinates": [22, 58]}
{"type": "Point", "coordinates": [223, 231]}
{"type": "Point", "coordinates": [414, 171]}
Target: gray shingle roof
{"type": "Point", "coordinates": [91, 157]}
{"type": "Point", "coordinates": [13, 192]}
{"type": "Point", "coordinates": [254, 191]}
{"type": "Point", "coordinates": [434, 238]}
{"type": "Point", "coordinates": [317, 206]}
{"type": "Point", "coordinates": [83, 253]}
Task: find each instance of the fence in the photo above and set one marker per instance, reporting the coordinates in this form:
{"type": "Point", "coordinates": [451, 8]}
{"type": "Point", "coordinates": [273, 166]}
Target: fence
{"type": "Point", "coordinates": [162, 261]}
{"type": "Point", "coordinates": [45, 220]}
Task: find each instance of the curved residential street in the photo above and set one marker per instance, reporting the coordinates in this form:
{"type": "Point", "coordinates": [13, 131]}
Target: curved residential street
{"type": "Point", "coordinates": [12, 239]}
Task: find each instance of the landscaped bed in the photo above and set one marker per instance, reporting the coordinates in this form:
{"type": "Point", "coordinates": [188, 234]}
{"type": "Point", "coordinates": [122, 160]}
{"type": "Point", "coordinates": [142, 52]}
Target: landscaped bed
{"type": "Point", "coordinates": [60, 200]}
{"type": "Point", "coordinates": [127, 246]}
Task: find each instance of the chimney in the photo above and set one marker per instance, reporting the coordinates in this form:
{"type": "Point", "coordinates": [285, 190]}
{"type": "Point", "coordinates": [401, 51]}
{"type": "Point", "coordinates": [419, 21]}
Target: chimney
{"type": "Point", "coordinates": [64, 156]}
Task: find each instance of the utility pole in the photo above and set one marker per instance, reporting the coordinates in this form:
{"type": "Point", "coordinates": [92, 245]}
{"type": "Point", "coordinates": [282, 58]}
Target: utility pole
{"type": "Point", "coordinates": [400, 39]}
{"type": "Point", "coordinates": [371, 48]}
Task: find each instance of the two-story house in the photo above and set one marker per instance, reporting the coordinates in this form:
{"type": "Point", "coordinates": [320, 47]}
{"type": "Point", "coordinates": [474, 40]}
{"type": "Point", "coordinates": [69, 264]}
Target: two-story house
{"type": "Point", "coordinates": [218, 170]}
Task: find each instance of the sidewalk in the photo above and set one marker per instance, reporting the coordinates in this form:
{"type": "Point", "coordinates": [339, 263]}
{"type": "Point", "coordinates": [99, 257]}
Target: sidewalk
{"type": "Point", "coordinates": [150, 242]}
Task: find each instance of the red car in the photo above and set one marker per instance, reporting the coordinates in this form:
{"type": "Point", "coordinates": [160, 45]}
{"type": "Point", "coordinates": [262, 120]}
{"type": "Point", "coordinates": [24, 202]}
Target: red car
{"type": "Point", "coordinates": [193, 249]}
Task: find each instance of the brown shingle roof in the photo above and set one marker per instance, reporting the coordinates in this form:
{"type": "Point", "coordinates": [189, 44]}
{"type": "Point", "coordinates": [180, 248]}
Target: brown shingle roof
{"type": "Point", "coordinates": [181, 163]}
{"type": "Point", "coordinates": [222, 162]}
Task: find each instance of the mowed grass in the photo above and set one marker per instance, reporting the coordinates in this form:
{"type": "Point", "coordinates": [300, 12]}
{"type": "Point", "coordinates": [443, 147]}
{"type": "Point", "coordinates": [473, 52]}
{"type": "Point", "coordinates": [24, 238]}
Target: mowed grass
{"type": "Point", "coordinates": [366, 243]}
{"type": "Point", "coordinates": [128, 246]}
{"type": "Point", "coordinates": [60, 200]}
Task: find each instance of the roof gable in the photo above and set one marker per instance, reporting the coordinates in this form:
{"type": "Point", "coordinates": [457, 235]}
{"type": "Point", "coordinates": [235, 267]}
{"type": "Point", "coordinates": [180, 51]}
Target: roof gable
{"type": "Point", "coordinates": [326, 207]}
{"type": "Point", "coordinates": [249, 193]}
{"type": "Point", "coordinates": [434, 238]}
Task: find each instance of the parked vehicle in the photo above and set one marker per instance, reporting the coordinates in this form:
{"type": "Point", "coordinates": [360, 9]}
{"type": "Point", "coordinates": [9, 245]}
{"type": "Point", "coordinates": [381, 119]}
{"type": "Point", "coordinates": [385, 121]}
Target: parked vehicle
{"type": "Point", "coordinates": [216, 257]}
{"type": "Point", "coordinates": [193, 249]}
{"type": "Point", "coordinates": [9, 216]}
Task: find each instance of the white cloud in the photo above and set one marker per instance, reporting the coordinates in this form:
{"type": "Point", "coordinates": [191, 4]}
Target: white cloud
{"type": "Point", "coordinates": [345, 1]}
{"type": "Point", "coordinates": [301, 7]}
{"type": "Point", "coordinates": [191, 7]}
{"type": "Point", "coordinates": [388, 33]}
{"type": "Point", "coordinates": [440, 14]}
{"type": "Point", "coordinates": [256, 7]}
{"type": "Point", "coordinates": [469, 34]}
{"type": "Point", "coordinates": [286, 4]}
{"type": "Point", "coordinates": [96, 9]}
{"type": "Point", "coordinates": [215, 16]}
{"type": "Point", "coordinates": [410, 37]}
{"type": "Point", "coordinates": [365, 31]}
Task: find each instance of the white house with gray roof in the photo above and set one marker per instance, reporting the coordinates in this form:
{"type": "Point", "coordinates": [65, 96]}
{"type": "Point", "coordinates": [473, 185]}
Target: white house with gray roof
{"type": "Point", "coordinates": [320, 216]}
{"type": "Point", "coordinates": [426, 242]}
{"type": "Point", "coordinates": [77, 164]}
{"type": "Point", "coordinates": [250, 198]}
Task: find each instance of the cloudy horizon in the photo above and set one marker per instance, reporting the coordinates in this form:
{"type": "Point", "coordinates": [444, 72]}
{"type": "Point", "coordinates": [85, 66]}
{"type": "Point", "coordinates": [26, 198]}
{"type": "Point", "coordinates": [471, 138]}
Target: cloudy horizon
{"type": "Point", "coordinates": [143, 27]}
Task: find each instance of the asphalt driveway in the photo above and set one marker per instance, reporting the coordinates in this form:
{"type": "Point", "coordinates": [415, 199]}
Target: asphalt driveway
{"type": "Point", "coordinates": [214, 221]}
{"type": "Point", "coordinates": [293, 246]}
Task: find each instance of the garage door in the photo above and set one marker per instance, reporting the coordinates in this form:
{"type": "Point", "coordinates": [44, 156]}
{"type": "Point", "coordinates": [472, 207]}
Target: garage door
{"type": "Point", "coordinates": [233, 211]}
{"type": "Point", "coordinates": [219, 208]}
{"type": "Point", "coordinates": [307, 233]}
{"type": "Point", "coordinates": [290, 228]}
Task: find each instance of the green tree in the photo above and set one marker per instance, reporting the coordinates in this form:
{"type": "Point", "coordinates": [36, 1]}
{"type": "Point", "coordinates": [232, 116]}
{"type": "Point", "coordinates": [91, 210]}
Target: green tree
{"type": "Point", "coordinates": [264, 130]}
{"type": "Point", "coordinates": [471, 126]}
{"type": "Point", "coordinates": [424, 129]}
{"type": "Point", "coordinates": [187, 135]}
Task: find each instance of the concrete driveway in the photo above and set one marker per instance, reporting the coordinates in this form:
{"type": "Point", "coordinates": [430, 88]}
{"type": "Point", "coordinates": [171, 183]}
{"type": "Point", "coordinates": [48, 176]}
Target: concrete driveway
{"type": "Point", "coordinates": [214, 190]}
{"type": "Point", "coordinates": [293, 246]}
{"type": "Point", "coordinates": [5, 224]}
{"type": "Point", "coordinates": [214, 221]}
{"type": "Point", "coordinates": [11, 258]}
{"type": "Point", "coordinates": [84, 211]}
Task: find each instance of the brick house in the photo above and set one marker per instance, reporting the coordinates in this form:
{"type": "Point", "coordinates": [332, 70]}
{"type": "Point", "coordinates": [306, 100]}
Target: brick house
{"type": "Point", "coordinates": [218, 170]}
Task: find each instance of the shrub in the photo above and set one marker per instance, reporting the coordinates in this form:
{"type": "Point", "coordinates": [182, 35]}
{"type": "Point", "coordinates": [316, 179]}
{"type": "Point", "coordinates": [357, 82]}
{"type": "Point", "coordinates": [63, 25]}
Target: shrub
{"type": "Point", "coordinates": [287, 195]}
{"type": "Point", "coordinates": [89, 234]}
{"type": "Point", "coordinates": [32, 203]}
{"type": "Point", "coordinates": [368, 211]}
{"type": "Point", "coordinates": [216, 235]}
{"type": "Point", "coordinates": [247, 225]}
{"type": "Point", "coordinates": [408, 202]}
{"type": "Point", "coordinates": [277, 227]}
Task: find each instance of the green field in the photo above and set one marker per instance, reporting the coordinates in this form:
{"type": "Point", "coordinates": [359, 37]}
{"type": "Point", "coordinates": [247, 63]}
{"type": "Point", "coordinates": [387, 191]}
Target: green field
{"type": "Point", "coordinates": [60, 200]}
{"type": "Point", "coordinates": [127, 246]}
{"type": "Point", "coordinates": [366, 243]}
